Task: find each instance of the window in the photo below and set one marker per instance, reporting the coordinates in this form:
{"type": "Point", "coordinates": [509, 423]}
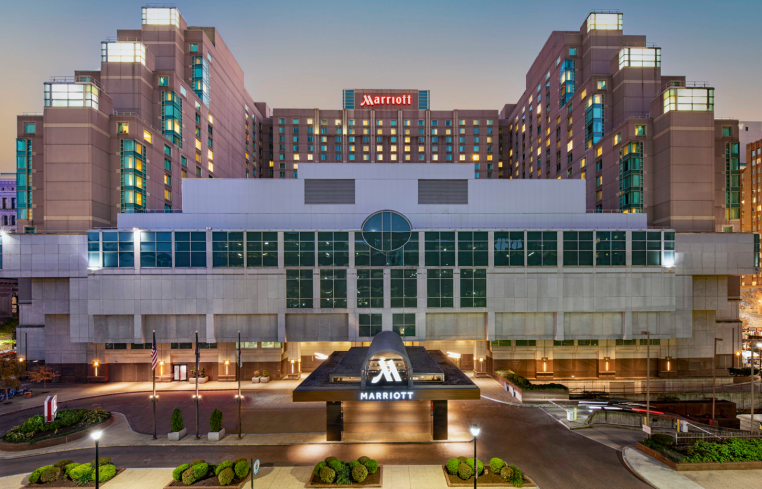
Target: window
{"type": "Point", "coordinates": [194, 48]}
{"type": "Point", "coordinates": [727, 131]}
{"type": "Point", "coordinates": [370, 325]}
{"type": "Point", "coordinates": [118, 250]}
{"type": "Point", "coordinates": [333, 289]}
{"type": "Point", "coordinates": [30, 128]}
{"type": "Point", "coordinates": [617, 138]}
{"type": "Point", "coordinates": [439, 288]}
{"type": "Point", "coordinates": [625, 342]}
{"type": "Point", "coordinates": [122, 128]}
{"type": "Point", "coordinates": [299, 289]}
{"type": "Point", "coordinates": [526, 342]}
{"type": "Point", "coordinates": [587, 342]}
{"type": "Point", "coordinates": [227, 249]}
{"type": "Point", "coordinates": [404, 287]}
{"type": "Point", "coordinates": [155, 249]}
{"type": "Point", "coordinates": [299, 249]}
{"type": "Point", "coordinates": [182, 346]}
{"type": "Point", "coordinates": [473, 287]}
{"type": "Point", "coordinates": [563, 343]}
{"type": "Point", "coordinates": [190, 249]}
{"type": "Point", "coordinates": [578, 248]}
{"type": "Point", "coordinates": [646, 248]}
{"type": "Point", "coordinates": [640, 130]}
{"type": "Point", "coordinates": [147, 137]}
{"type": "Point", "coordinates": [403, 324]}
{"type": "Point", "coordinates": [198, 171]}
{"type": "Point", "coordinates": [601, 84]}
{"type": "Point", "coordinates": [261, 249]}
{"type": "Point", "coordinates": [183, 92]}
{"type": "Point", "coordinates": [440, 249]}
{"type": "Point", "coordinates": [116, 346]}
{"type": "Point", "coordinates": [669, 249]}
{"type": "Point", "coordinates": [370, 288]}
{"type": "Point", "coordinates": [473, 249]}
{"type": "Point", "coordinates": [610, 248]}
{"type": "Point", "coordinates": [572, 51]}
{"type": "Point", "coordinates": [333, 249]}
{"type": "Point", "coordinates": [501, 343]}
{"type": "Point", "coordinates": [542, 248]}
{"type": "Point", "coordinates": [365, 256]}
{"type": "Point", "coordinates": [509, 248]}
{"type": "Point", "coordinates": [163, 81]}
{"type": "Point", "coordinates": [654, 341]}
{"type": "Point", "coordinates": [93, 249]}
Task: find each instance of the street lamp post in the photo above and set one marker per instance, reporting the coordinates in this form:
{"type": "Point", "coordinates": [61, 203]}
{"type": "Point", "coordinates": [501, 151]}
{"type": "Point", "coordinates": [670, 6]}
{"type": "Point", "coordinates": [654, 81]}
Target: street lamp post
{"type": "Point", "coordinates": [714, 374]}
{"type": "Point", "coordinates": [475, 431]}
{"type": "Point", "coordinates": [96, 436]}
{"type": "Point", "coordinates": [648, 379]}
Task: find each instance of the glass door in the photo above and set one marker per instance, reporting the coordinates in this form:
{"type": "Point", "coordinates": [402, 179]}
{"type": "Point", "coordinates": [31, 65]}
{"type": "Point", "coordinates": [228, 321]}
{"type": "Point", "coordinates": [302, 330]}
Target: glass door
{"type": "Point", "coordinates": [180, 372]}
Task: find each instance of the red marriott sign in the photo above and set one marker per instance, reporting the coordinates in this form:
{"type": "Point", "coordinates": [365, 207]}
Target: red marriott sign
{"type": "Point", "coordinates": [378, 100]}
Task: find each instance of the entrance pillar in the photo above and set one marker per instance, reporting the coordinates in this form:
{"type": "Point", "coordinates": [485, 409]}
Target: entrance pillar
{"type": "Point", "coordinates": [334, 422]}
{"type": "Point", "coordinates": [439, 421]}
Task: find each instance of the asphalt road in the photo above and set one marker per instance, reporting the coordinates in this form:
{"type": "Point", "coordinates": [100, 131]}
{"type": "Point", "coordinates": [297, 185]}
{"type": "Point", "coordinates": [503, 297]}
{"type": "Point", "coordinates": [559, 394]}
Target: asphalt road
{"type": "Point", "coordinates": [527, 437]}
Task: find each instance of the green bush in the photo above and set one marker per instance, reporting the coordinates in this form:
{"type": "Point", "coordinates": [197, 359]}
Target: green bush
{"type": "Point", "coordinates": [525, 384]}
{"type": "Point", "coordinates": [465, 471]}
{"type": "Point", "coordinates": [729, 450]}
{"type": "Point", "coordinates": [257, 373]}
{"type": "Point", "coordinates": [371, 465]}
{"type": "Point", "coordinates": [50, 475]}
{"type": "Point", "coordinates": [742, 372]}
{"type": "Point", "coordinates": [200, 470]}
{"type": "Point", "coordinates": [32, 424]}
{"type": "Point", "coordinates": [265, 373]}
{"type": "Point", "coordinates": [363, 459]}
{"type": "Point", "coordinates": [69, 468]}
{"type": "Point", "coordinates": [238, 460]}
{"type": "Point", "coordinates": [106, 472]}
{"type": "Point", "coordinates": [63, 463]}
{"type": "Point", "coordinates": [335, 465]}
{"type": "Point", "coordinates": [81, 470]}
{"type": "Point", "coordinates": [495, 464]}
{"type": "Point", "coordinates": [177, 474]}
{"type": "Point", "coordinates": [353, 464]}
{"type": "Point", "coordinates": [35, 476]}
{"type": "Point", "coordinates": [517, 479]}
{"type": "Point", "coordinates": [101, 461]}
{"type": "Point", "coordinates": [470, 463]}
{"type": "Point", "coordinates": [177, 420]}
{"type": "Point", "coordinates": [661, 439]}
{"type": "Point", "coordinates": [328, 459]}
{"type": "Point", "coordinates": [224, 465]}
{"type": "Point", "coordinates": [196, 462]}
{"type": "Point", "coordinates": [226, 476]}
{"type": "Point", "coordinates": [506, 473]}
{"type": "Point", "coordinates": [462, 459]}
{"type": "Point", "coordinates": [215, 420]}
{"type": "Point", "coordinates": [452, 466]}
{"type": "Point", "coordinates": [359, 472]}
{"type": "Point", "coordinates": [189, 477]}
{"type": "Point", "coordinates": [242, 469]}
{"type": "Point", "coordinates": [318, 466]}
{"type": "Point", "coordinates": [327, 475]}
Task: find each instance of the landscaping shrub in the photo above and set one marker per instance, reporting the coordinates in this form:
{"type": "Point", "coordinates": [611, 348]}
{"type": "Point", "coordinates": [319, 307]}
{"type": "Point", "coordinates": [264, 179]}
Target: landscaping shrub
{"type": "Point", "coordinates": [328, 459]}
{"type": "Point", "coordinates": [238, 460]}
{"type": "Point", "coordinates": [506, 473]}
{"type": "Point", "coordinates": [35, 476]}
{"type": "Point", "coordinates": [215, 420]}
{"type": "Point", "coordinates": [65, 418]}
{"type": "Point", "coordinates": [344, 475]}
{"type": "Point", "coordinates": [177, 474]}
{"type": "Point", "coordinates": [371, 465]}
{"type": "Point", "coordinates": [465, 471]}
{"type": "Point", "coordinates": [226, 476]}
{"type": "Point", "coordinates": [363, 459]}
{"type": "Point", "coordinates": [106, 472]}
{"type": "Point", "coordinates": [196, 462]}
{"type": "Point", "coordinates": [63, 463]}
{"type": "Point", "coordinates": [101, 461]}
{"type": "Point", "coordinates": [359, 472]}
{"type": "Point", "coordinates": [730, 450]}
{"type": "Point", "coordinates": [177, 420]}
{"type": "Point", "coordinates": [353, 464]}
{"type": "Point", "coordinates": [470, 463]}
{"type": "Point", "coordinates": [224, 465]}
{"type": "Point", "coordinates": [452, 466]}
{"type": "Point", "coordinates": [327, 475]}
{"type": "Point", "coordinates": [742, 372]}
{"type": "Point", "coordinates": [256, 373]}
{"type": "Point", "coordinates": [517, 479]}
{"type": "Point", "coordinates": [318, 466]}
{"type": "Point", "coordinates": [81, 472]}
{"type": "Point", "coordinates": [189, 477]}
{"type": "Point", "coordinates": [335, 465]}
{"type": "Point", "coordinates": [200, 470]}
{"type": "Point", "coordinates": [69, 468]}
{"type": "Point", "coordinates": [50, 475]}
{"type": "Point", "coordinates": [495, 464]}
{"type": "Point", "coordinates": [525, 384]}
{"type": "Point", "coordinates": [462, 459]}
{"type": "Point", "coordinates": [242, 469]}
{"type": "Point", "coordinates": [665, 440]}
{"type": "Point", "coordinates": [265, 373]}
{"type": "Point", "coordinates": [96, 416]}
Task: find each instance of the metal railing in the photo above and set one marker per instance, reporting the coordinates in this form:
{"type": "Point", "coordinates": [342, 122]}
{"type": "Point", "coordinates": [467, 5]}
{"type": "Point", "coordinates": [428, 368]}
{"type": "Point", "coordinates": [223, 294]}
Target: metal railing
{"type": "Point", "coordinates": [152, 211]}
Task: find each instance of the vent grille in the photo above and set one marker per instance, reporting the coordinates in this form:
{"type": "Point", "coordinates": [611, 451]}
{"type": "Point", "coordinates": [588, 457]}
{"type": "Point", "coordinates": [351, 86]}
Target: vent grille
{"type": "Point", "coordinates": [320, 191]}
{"type": "Point", "coordinates": [446, 192]}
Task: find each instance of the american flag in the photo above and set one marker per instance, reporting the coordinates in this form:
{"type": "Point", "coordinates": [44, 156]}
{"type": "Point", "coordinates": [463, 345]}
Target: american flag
{"type": "Point", "coordinates": [154, 353]}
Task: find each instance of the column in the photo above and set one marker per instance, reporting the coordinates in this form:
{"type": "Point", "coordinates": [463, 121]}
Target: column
{"type": "Point", "coordinates": [439, 420]}
{"type": "Point", "coordinates": [334, 422]}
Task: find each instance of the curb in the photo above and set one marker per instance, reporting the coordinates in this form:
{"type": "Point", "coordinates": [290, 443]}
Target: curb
{"type": "Point", "coordinates": [633, 471]}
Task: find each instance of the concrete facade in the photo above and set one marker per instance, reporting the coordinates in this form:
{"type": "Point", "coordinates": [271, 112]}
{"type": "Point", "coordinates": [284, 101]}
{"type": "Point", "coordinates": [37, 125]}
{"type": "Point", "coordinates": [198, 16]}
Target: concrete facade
{"type": "Point", "coordinates": [583, 318]}
{"type": "Point", "coordinates": [751, 200]}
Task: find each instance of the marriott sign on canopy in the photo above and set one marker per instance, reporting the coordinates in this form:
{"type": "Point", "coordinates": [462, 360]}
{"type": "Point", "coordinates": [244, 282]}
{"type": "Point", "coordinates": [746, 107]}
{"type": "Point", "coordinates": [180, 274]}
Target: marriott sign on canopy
{"type": "Point", "coordinates": [379, 100]}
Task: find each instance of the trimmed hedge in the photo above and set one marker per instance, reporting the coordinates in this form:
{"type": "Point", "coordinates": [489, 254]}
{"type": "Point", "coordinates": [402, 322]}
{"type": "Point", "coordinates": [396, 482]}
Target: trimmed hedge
{"type": "Point", "coordinates": [470, 463]}
{"type": "Point", "coordinates": [177, 420]}
{"type": "Point", "coordinates": [215, 420]}
{"type": "Point", "coordinates": [359, 473]}
{"type": "Point", "coordinates": [101, 461]}
{"type": "Point", "coordinates": [35, 476]}
{"type": "Point", "coordinates": [495, 464]}
{"type": "Point", "coordinates": [524, 384]}
{"type": "Point", "coordinates": [452, 466]}
{"type": "Point", "coordinates": [177, 474]}
{"type": "Point", "coordinates": [371, 465]}
{"type": "Point", "coordinates": [465, 471]}
{"type": "Point", "coordinates": [226, 476]}
{"type": "Point", "coordinates": [63, 463]}
{"type": "Point", "coordinates": [50, 475]}
{"type": "Point", "coordinates": [200, 470]}
{"type": "Point", "coordinates": [242, 469]}
{"type": "Point", "coordinates": [224, 465]}
{"type": "Point", "coordinates": [106, 472]}
{"type": "Point", "coordinates": [64, 419]}
{"type": "Point", "coordinates": [189, 477]}
{"type": "Point", "coordinates": [327, 475]}
{"type": "Point", "coordinates": [363, 459]}
{"type": "Point", "coordinates": [318, 466]}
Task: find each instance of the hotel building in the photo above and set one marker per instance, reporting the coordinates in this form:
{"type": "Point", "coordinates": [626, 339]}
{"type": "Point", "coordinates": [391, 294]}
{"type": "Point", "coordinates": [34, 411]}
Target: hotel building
{"type": "Point", "coordinates": [496, 273]}
{"type": "Point", "coordinates": [751, 200]}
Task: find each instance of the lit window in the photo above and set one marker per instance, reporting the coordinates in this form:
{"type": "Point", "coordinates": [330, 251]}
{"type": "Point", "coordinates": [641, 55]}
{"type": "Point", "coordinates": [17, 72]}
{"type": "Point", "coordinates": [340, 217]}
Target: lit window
{"type": "Point", "coordinates": [209, 154]}
{"type": "Point", "coordinates": [163, 81]}
{"type": "Point", "coordinates": [147, 137]}
{"type": "Point", "coordinates": [599, 151]}
{"type": "Point", "coordinates": [601, 84]}
{"type": "Point", "coordinates": [123, 52]}
{"type": "Point", "coordinates": [194, 48]}
{"type": "Point", "coordinates": [123, 128]}
{"type": "Point", "coordinates": [30, 127]}
{"type": "Point", "coordinates": [640, 130]}
{"type": "Point", "coordinates": [617, 138]}
{"type": "Point", "coordinates": [211, 119]}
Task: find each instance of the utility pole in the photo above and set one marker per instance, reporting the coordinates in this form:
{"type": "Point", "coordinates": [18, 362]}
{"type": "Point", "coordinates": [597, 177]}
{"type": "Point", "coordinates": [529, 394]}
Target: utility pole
{"type": "Point", "coordinates": [714, 374]}
{"type": "Point", "coordinates": [648, 378]}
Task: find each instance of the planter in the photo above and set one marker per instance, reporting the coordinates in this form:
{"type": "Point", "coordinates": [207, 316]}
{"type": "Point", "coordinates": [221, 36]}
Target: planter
{"type": "Point", "coordinates": [373, 480]}
{"type": "Point", "coordinates": [51, 442]}
{"type": "Point", "coordinates": [526, 396]}
{"type": "Point", "coordinates": [177, 435]}
{"type": "Point", "coordinates": [688, 467]}
{"type": "Point", "coordinates": [737, 380]}
{"type": "Point", "coordinates": [255, 380]}
{"type": "Point", "coordinates": [211, 482]}
{"type": "Point", "coordinates": [487, 479]}
{"type": "Point", "coordinates": [199, 380]}
{"type": "Point", "coordinates": [216, 435]}
{"type": "Point", "coordinates": [264, 380]}
{"type": "Point", "coordinates": [69, 483]}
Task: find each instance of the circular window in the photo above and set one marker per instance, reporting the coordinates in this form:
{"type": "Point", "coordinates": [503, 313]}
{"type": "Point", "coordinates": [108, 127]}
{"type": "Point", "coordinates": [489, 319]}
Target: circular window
{"type": "Point", "coordinates": [386, 231]}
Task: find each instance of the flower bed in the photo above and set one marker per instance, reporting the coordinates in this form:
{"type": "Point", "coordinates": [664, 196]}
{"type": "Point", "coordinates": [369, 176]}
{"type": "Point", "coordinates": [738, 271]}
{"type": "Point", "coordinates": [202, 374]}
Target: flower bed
{"type": "Point", "coordinates": [459, 472]}
{"type": "Point", "coordinates": [525, 391]}
{"type": "Point", "coordinates": [332, 472]}
{"type": "Point", "coordinates": [67, 421]}
{"type": "Point", "coordinates": [67, 473]}
{"type": "Point", "coordinates": [201, 474]}
{"type": "Point", "coordinates": [734, 453]}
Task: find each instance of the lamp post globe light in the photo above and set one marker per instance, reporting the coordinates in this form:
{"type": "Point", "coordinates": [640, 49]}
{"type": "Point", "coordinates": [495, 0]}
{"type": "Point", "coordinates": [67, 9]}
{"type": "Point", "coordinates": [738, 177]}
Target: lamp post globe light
{"type": "Point", "coordinates": [475, 431]}
{"type": "Point", "coordinates": [96, 435]}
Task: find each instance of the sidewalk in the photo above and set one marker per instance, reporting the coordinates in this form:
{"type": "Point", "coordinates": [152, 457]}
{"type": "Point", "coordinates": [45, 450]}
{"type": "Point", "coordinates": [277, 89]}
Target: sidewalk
{"type": "Point", "coordinates": [394, 477]}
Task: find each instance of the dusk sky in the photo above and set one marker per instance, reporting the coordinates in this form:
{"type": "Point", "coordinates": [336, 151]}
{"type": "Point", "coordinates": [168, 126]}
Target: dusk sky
{"type": "Point", "coordinates": [470, 54]}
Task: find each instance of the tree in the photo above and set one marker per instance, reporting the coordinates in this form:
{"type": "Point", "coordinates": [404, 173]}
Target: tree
{"type": "Point", "coordinates": [11, 371]}
{"type": "Point", "coordinates": [42, 373]}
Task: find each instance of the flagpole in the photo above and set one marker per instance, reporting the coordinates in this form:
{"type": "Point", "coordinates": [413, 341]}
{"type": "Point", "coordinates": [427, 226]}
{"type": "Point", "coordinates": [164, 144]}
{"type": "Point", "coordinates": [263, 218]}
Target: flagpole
{"type": "Point", "coordinates": [239, 363]}
{"type": "Point", "coordinates": [198, 436]}
{"type": "Point", "coordinates": [153, 370]}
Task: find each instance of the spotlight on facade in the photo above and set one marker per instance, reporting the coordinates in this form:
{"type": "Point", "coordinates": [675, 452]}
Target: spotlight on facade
{"type": "Point", "coordinates": [452, 354]}
{"type": "Point", "coordinates": [321, 356]}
